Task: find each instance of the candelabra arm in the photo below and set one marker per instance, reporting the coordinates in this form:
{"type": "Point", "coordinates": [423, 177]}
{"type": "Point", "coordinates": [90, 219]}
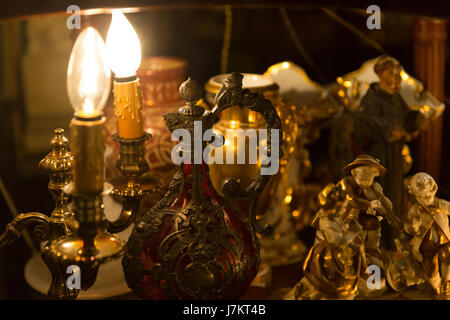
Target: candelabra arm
{"type": "Point", "coordinates": [132, 164]}
{"type": "Point", "coordinates": [14, 229]}
{"type": "Point", "coordinates": [45, 229]}
{"type": "Point", "coordinates": [130, 206]}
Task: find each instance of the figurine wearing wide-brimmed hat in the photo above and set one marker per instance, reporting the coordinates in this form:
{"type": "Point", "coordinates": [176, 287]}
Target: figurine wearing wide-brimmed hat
{"type": "Point", "coordinates": [365, 199]}
{"type": "Point", "coordinates": [365, 160]}
{"type": "Point", "coordinates": [348, 221]}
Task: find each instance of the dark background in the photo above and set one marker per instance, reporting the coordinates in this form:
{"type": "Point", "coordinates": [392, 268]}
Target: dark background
{"type": "Point", "coordinates": [259, 39]}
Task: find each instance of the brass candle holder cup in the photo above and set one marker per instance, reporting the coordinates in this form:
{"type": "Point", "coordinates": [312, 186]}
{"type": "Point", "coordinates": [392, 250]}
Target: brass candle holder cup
{"type": "Point", "coordinates": [80, 239]}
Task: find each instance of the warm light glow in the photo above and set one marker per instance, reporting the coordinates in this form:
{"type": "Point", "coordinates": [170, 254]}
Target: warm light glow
{"type": "Point", "coordinates": [285, 65]}
{"type": "Point", "coordinates": [67, 245]}
{"type": "Point", "coordinates": [404, 75]}
{"type": "Point", "coordinates": [123, 50]}
{"type": "Point", "coordinates": [234, 124]}
{"type": "Point", "coordinates": [88, 77]}
{"type": "Point", "coordinates": [288, 199]}
{"type": "Point", "coordinates": [347, 84]}
{"type": "Point", "coordinates": [405, 150]}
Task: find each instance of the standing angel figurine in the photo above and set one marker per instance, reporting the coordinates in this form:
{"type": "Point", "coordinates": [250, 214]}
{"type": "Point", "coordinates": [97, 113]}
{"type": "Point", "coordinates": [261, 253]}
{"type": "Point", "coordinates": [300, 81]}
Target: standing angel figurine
{"type": "Point", "coordinates": [428, 224]}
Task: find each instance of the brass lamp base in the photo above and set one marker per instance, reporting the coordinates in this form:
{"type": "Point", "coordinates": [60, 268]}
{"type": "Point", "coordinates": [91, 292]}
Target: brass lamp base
{"type": "Point", "coordinates": [110, 280]}
{"type": "Point", "coordinates": [108, 247]}
{"type": "Point", "coordinates": [80, 237]}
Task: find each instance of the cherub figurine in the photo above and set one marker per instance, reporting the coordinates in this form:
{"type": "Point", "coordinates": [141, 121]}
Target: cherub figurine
{"type": "Point", "coordinates": [348, 233]}
{"type": "Point", "coordinates": [385, 123]}
{"type": "Point", "coordinates": [428, 224]}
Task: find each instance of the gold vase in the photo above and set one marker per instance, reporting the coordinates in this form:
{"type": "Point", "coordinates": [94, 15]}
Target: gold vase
{"type": "Point", "coordinates": [243, 118]}
{"type": "Point", "coordinates": [270, 208]}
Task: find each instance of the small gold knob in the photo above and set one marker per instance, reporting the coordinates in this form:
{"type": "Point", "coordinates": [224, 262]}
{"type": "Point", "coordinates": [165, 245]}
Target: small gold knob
{"type": "Point", "coordinates": [59, 160]}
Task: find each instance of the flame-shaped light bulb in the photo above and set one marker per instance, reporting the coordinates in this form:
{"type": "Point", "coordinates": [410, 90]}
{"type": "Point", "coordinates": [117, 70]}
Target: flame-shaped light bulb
{"type": "Point", "coordinates": [123, 49]}
{"type": "Point", "coordinates": [88, 76]}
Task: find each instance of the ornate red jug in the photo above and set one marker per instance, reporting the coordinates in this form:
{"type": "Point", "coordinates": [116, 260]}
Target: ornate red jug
{"type": "Point", "coordinates": [194, 244]}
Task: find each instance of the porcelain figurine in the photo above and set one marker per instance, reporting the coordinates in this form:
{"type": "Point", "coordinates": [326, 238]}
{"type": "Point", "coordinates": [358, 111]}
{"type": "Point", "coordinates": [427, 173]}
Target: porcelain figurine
{"type": "Point", "coordinates": [385, 123]}
{"type": "Point", "coordinates": [348, 235]}
{"type": "Point", "coordinates": [428, 225]}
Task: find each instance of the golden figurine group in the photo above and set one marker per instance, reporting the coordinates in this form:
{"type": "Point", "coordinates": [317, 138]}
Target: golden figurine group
{"type": "Point", "coordinates": [374, 235]}
{"type": "Point", "coordinates": [349, 231]}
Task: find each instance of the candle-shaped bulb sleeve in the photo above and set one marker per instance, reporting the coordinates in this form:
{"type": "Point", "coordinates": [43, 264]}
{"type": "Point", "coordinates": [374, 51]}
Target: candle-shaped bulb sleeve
{"type": "Point", "coordinates": [128, 109]}
{"type": "Point", "coordinates": [88, 148]}
{"type": "Point", "coordinates": [124, 57]}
